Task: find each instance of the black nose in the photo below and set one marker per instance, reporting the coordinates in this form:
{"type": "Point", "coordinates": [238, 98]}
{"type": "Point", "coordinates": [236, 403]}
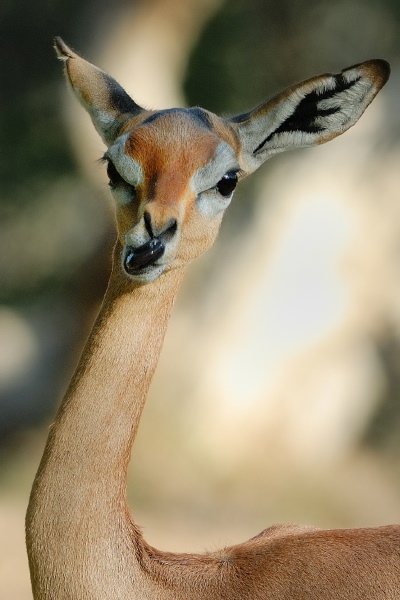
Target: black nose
{"type": "Point", "coordinates": [137, 259]}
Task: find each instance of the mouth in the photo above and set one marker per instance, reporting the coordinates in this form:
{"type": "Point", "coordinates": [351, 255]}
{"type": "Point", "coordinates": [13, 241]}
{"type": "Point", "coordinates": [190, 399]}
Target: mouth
{"type": "Point", "coordinates": [137, 260]}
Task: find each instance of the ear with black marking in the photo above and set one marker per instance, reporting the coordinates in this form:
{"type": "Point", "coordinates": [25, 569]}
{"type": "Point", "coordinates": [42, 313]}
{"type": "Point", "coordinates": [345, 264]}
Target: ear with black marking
{"type": "Point", "coordinates": [107, 103]}
{"type": "Point", "coordinates": [309, 113]}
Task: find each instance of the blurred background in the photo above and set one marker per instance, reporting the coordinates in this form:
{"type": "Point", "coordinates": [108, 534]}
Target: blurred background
{"type": "Point", "coordinates": [277, 397]}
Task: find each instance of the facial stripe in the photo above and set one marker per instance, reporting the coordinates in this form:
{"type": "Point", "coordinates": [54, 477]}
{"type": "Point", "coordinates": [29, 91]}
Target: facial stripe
{"type": "Point", "coordinates": [172, 169]}
{"type": "Point", "coordinates": [170, 147]}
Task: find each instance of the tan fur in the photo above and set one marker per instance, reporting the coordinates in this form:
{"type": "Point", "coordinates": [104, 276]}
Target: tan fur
{"type": "Point", "coordinates": [81, 540]}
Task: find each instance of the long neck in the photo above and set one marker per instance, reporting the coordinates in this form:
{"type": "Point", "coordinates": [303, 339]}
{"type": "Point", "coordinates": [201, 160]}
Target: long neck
{"type": "Point", "coordinates": [78, 502]}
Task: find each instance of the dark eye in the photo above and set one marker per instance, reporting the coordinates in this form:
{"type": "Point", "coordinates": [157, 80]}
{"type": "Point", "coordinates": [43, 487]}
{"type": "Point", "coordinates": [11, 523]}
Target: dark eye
{"type": "Point", "coordinates": [227, 184]}
{"type": "Point", "coordinates": [113, 175]}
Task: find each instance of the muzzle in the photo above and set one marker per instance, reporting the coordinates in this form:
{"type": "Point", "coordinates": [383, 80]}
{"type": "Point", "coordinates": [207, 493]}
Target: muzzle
{"type": "Point", "coordinates": [138, 259]}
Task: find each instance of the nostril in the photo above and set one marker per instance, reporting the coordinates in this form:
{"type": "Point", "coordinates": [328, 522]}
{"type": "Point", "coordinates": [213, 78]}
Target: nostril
{"type": "Point", "coordinates": [147, 224]}
{"type": "Point", "coordinates": [165, 230]}
{"type": "Point", "coordinates": [171, 228]}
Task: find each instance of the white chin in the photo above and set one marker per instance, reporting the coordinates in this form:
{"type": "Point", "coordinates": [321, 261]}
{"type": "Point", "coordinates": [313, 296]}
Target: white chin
{"type": "Point", "coordinates": [148, 274]}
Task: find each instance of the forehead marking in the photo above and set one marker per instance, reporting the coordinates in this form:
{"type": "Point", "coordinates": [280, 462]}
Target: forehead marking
{"type": "Point", "coordinates": [170, 149]}
{"type": "Point", "coordinates": [198, 115]}
{"type": "Point", "coordinates": [169, 154]}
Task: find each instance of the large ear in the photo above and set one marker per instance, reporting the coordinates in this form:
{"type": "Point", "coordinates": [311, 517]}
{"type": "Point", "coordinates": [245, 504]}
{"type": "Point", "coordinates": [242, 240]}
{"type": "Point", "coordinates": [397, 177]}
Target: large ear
{"type": "Point", "coordinates": [105, 100]}
{"type": "Point", "coordinates": [309, 113]}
